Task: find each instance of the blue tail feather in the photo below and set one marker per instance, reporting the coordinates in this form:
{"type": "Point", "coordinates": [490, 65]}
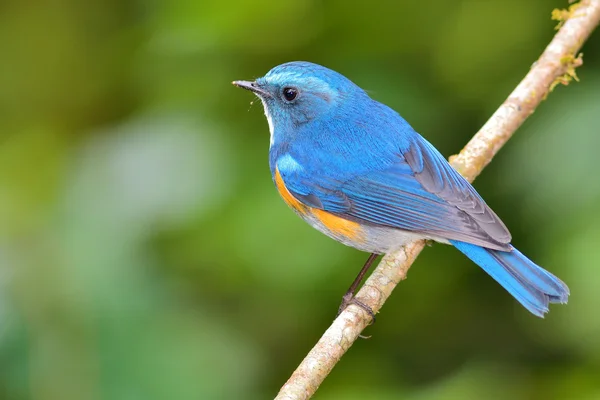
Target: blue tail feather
{"type": "Point", "coordinates": [530, 284]}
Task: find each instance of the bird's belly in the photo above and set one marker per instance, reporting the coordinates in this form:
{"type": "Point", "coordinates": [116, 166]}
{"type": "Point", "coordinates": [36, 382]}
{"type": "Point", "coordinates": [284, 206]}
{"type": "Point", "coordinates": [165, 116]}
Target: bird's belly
{"type": "Point", "coordinates": [369, 238]}
{"type": "Point", "coordinates": [364, 237]}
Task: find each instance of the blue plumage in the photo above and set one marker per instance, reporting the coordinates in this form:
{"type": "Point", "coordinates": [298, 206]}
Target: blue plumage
{"type": "Point", "coordinates": [356, 170]}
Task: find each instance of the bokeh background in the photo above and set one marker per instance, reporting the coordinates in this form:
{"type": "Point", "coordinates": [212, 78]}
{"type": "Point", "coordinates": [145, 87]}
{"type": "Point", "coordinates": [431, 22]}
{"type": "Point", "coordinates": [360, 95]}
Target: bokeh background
{"type": "Point", "coordinates": [145, 254]}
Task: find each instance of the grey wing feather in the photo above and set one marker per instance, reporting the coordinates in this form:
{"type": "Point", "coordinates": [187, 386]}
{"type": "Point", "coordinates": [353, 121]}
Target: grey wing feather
{"type": "Point", "coordinates": [438, 177]}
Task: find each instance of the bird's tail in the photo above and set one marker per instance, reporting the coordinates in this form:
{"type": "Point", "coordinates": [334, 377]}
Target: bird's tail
{"type": "Point", "coordinates": [530, 284]}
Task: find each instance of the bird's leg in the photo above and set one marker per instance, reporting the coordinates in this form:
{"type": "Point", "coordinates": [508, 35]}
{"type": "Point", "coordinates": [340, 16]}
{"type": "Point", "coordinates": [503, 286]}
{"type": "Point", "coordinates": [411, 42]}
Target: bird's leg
{"type": "Point", "coordinates": [349, 296]}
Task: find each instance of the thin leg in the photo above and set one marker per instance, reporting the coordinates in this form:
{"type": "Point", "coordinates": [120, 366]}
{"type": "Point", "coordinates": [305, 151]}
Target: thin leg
{"type": "Point", "coordinates": [349, 296]}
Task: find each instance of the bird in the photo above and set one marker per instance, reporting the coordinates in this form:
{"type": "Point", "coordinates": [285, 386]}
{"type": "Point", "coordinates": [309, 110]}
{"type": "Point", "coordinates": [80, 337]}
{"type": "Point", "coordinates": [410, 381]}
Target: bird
{"type": "Point", "coordinates": [357, 171]}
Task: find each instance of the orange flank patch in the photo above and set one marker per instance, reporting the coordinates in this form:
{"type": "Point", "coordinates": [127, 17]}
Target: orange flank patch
{"type": "Point", "coordinates": [287, 196]}
{"type": "Point", "coordinates": [336, 225]}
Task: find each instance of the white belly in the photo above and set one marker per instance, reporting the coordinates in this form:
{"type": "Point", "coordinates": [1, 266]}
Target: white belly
{"type": "Point", "coordinates": [373, 239]}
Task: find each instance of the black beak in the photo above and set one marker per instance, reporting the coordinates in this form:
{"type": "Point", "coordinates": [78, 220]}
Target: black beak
{"type": "Point", "coordinates": [253, 87]}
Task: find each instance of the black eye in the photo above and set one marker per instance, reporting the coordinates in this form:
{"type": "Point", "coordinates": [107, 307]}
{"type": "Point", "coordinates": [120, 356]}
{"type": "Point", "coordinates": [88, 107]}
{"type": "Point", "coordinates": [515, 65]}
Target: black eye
{"type": "Point", "coordinates": [289, 93]}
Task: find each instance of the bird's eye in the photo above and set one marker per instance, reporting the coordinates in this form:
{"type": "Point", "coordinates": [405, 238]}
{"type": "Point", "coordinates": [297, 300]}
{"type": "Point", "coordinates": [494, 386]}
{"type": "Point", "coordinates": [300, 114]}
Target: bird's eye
{"type": "Point", "coordinates": [290, 93]}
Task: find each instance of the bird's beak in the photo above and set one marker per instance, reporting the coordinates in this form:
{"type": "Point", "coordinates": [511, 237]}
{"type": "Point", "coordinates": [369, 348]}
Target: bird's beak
{"type": "Point", "coordinates": [253, 87]}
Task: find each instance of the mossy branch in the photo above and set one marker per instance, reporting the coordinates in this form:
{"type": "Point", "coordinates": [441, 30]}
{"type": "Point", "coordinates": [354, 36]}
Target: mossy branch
{"type": "Point", "coordinates": [555, 66]}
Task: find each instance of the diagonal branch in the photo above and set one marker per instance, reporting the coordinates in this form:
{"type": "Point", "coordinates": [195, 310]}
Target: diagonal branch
{"type": "Point", "coordinates": [556, 65]}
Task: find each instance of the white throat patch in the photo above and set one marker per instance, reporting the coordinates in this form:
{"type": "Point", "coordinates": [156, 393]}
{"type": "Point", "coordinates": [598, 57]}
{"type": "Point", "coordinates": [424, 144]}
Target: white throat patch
{"type": "Point", "coordinates": [269, 121]}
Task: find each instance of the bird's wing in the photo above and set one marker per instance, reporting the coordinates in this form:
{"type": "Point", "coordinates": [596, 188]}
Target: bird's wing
{"type": "Point", "coordinates": [420, 192]}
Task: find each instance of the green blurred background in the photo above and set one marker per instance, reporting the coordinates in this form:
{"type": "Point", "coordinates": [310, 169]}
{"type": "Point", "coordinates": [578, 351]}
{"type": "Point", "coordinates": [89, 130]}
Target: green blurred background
{"type": "Point", "coordinates": [145, 254]}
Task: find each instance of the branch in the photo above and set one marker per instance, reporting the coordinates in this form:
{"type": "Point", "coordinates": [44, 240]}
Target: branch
{"type": "Point", "coordinates": [555, 66]}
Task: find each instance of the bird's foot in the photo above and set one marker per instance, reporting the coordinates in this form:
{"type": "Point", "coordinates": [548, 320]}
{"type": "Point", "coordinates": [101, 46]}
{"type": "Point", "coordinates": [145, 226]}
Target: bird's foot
{"type": "Point", "coordinates": [349, 296]}
{"type": "Point", "coordinates": [350, 299]}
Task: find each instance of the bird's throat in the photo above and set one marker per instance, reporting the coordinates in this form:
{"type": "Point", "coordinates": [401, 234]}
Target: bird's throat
{"type": "Point", "coordinates": [269, 121]}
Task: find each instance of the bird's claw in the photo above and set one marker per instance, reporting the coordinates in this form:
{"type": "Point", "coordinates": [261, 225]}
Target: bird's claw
{"type": "Point", "coordinates": [350, 299]}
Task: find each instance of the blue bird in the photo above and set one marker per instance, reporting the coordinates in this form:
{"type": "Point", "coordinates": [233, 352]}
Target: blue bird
{"type": "Point", "coordinates": [354, 169]}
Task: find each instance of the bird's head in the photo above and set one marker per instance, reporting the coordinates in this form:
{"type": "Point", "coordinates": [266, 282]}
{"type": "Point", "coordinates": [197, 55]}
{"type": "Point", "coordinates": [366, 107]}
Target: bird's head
{"type": "Point", "coordinates": [298, 92]}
